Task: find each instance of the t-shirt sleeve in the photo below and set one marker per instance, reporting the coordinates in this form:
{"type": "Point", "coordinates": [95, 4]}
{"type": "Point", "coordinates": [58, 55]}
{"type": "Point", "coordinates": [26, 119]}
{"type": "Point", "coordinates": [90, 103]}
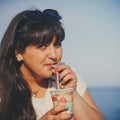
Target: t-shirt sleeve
{"type": "Point", "coordinates": [81, 85]}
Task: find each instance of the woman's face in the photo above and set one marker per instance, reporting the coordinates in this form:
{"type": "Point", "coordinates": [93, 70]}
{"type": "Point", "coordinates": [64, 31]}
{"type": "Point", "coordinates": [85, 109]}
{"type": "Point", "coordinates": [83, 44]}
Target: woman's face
{"type": "Point", "coordinates": [38, 60]}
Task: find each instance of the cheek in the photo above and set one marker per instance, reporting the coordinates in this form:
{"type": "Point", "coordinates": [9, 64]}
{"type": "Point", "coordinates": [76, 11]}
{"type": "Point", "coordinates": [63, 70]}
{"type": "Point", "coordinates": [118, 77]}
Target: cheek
{"type": "Point", "coordinates": [33, 56]}
{"type": "Point", "coordinates": [59, 54]}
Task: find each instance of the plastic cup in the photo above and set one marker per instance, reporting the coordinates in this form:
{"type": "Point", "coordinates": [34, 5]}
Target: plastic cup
{"type": "Point", "coordinates": [63, 97]}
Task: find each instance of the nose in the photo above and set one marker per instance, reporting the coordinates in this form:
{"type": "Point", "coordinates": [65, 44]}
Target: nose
{"type": "Point", "coordinates": [52, 52]}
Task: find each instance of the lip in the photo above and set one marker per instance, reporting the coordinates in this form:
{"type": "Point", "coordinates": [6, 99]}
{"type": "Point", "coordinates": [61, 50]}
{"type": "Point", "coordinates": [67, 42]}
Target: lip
{"type": "Point", "coordinates": [50, 66]}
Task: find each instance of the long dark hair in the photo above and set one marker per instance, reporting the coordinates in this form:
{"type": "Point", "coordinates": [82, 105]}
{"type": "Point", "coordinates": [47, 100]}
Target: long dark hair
{"type": "Point", "coordinates": [30, 27]}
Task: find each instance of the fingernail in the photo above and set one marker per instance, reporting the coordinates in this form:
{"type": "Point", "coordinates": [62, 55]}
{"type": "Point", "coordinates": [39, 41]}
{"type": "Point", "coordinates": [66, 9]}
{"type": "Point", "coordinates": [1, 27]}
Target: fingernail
{"type": "Point", "coordinates": [62, 82]}
{"type": "Point", "coordinates": [74, 118]}
{"type": "Point", "coordinates": [57, 69]}
{"type": "Point", "coordinates": [66, 107]}
{"type": "Point", "coordinates": [71, 115]}
{"type": "Point", "coordinates": [62, 63]}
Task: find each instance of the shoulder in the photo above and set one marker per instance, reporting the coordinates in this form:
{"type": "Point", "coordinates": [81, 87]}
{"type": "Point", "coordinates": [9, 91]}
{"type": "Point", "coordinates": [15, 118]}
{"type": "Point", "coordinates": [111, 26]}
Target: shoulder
{"type": "Point", "coordinates": [81, 84]}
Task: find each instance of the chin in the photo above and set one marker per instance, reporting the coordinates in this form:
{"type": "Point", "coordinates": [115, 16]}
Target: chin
{"type": "Point", "coordinates": [49, 75]}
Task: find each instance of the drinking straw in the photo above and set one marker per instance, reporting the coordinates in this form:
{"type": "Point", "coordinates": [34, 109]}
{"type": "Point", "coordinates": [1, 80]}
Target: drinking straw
{"type": "Point", "coordinates": [57, 75]}
{"type": "Point", "coordinates": [57, 80]}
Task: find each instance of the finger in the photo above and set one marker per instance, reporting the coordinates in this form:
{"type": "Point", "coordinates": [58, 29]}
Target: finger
{"type": "Point", "coordinates": [67, 78]}
{"type": "Point", "coordinates": [70, 86]}
{"type": "Point", "coordinates": [57, 109]}
{"type": "Point", "coordinates": [64, 71]}
{"type": "Point", "coordinates": [70, 81]}
{"type": "Point", "coordinates": [60, 68]}
{"type": "Point", "coordinates": [64, 116]}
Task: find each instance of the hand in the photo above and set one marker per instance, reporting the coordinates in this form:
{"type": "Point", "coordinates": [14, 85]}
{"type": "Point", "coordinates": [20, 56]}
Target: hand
{"type": "Point", "coordinates": [68, 78]}
{"type": "Point", "coordinates": [56, 113]}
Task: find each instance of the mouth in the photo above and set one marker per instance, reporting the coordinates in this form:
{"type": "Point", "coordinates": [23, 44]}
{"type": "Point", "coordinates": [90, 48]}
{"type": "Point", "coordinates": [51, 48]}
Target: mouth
{"type": "Point", "coordinates": [51, 66]}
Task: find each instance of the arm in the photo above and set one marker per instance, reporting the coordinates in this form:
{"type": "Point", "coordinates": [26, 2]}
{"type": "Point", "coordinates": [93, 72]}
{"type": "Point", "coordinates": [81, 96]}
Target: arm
{"type": "Point", "coordinates": [85, 108]}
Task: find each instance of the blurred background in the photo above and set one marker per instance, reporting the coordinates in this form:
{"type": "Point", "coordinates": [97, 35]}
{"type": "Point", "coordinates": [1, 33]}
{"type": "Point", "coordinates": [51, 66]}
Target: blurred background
{"type": "Point", "coordinates": [91, 46]}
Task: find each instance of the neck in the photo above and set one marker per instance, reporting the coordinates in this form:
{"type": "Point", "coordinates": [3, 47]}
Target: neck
{"type": "Point", "coordinates": [39, 89]}
{"type": "Point", "coordinates": [38, 86]}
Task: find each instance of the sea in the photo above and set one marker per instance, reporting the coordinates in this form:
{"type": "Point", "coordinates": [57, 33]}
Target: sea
{"type": "Point", "coordinates": [108, 101]}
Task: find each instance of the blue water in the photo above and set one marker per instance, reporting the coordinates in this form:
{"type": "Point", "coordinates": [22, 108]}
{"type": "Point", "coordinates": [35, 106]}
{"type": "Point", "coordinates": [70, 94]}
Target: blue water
{"type": "Point", "coordinates": [108, 100]}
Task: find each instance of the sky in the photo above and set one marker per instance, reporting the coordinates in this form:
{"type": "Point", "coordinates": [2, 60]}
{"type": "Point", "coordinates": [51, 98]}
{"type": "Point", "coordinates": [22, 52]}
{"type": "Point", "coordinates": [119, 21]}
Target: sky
{"type": "Point", "coordinates": [92, 42]}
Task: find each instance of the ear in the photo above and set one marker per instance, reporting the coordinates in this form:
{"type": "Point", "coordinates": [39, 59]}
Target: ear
{"type": "Point", "coordinates": [18, 56]}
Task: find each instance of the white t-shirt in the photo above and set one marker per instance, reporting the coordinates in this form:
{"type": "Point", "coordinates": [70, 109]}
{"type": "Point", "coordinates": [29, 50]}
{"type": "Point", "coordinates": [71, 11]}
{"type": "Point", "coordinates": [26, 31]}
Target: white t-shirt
{"type": "Point", "coordinates": [42, 105]}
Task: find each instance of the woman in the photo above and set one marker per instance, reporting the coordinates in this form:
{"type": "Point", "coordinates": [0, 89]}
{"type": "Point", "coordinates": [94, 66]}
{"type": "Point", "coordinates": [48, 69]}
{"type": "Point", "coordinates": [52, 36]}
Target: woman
{"type": "Point", "coordinates": [30, 48]}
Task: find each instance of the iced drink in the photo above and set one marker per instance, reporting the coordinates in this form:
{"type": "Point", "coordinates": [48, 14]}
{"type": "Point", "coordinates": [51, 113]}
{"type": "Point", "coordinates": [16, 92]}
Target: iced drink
{"type": "Point", "coordinates": [63, 97]}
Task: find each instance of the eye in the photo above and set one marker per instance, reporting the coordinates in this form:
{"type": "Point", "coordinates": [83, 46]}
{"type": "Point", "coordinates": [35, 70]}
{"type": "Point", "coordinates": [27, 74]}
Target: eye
{"type": "Point", "coordinates": [42, 46]}
{"type": "Point", "coordinates": [58, 44]}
